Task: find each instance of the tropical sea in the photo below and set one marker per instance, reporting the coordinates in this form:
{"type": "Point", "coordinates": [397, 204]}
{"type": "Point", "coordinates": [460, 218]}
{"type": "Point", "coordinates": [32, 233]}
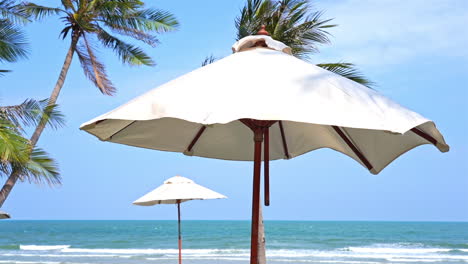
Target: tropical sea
{"type": "Point", "coordinates": [209, 242]}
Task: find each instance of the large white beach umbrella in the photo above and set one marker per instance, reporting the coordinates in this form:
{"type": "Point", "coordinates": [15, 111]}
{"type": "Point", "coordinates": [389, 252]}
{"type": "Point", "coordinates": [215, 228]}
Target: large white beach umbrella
{"type": "Point", "coordinates": [177, 190]}
{"type": "Point", "coordinates": [4, 215]}
{"type": "Point", "coordinates": [290, 105]}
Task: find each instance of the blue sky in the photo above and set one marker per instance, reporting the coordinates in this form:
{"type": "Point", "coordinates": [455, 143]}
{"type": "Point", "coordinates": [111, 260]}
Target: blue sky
{"type": "Point", "coordinates": [414, 50]}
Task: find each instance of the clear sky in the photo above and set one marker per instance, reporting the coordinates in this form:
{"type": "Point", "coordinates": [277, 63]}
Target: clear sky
{"type": "Point", "coordinates": [416, 51]}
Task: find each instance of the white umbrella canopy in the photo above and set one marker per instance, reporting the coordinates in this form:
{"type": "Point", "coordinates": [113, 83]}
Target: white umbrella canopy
{"type": "Point", "coordinates": [177, 189]}
{"type": "Point", "coordinates": [291, 106]}
{"type": "Point", "coordinates": [4, 215]}
{"type": "Point", "coordinates": [266, 84]}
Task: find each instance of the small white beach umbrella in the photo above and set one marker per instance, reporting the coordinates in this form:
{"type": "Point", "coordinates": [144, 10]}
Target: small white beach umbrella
{"type": "Point", "coordinates": [4, 215]}
{"type": "Point", "coordinates": [291, 106]}
{"type": "Point", "coordinates": [177, 190]}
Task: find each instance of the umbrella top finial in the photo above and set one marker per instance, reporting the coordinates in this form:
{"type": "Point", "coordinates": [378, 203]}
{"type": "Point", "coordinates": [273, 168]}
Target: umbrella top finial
{"type": "Point", "coordinates": [178, 180]}
{"type": "Point", "coordinates": [263, 31]}
{"type": "Point", "coordinates": [261, 39]}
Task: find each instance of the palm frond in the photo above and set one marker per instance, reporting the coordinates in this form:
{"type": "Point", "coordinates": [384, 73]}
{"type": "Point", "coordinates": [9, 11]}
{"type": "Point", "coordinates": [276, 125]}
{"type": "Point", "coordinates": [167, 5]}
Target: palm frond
{"type": "Point", "coordinates": [93, 69]}
{"type": "Point", "coordinates": [127, 52]}
{"type": "Point", "coordinates": [31, 112]}
{"type": "Point", "coordinates": [292, 22]}
{"type": "Point", "coordinates": [51, 115]}
{"type": "Point", "coordinates": [253, 15]}
{"type": "Point", "coordinates": [68, 4]}
{"type": "Point", "coordinates": [12, 42]}
{"type": "Point", "coordinates": [13, 146]}
{"type": "Point", "coordinates": [39, 12]}
{"type": "Point", "coordinates": [13, 12]}
{"type": "Point", "coordinates": [348, 70]}
{"type": "Point", "coordinates": [26, 113]}
{"type": "Point", "coordinates": [118, 7]}
{"type": "Point", "coordinates": [155, 20]}
{"type": "Point", "coordinates": [3, 72]}
{"type": "Point", "coordinates": [40, 168]}
{"type": "Point", "coordinates": [208, 60]}
{"type": "Point", "coordinates": [152, 20]}
{"type": "Point", "coordinates": [136, 34]}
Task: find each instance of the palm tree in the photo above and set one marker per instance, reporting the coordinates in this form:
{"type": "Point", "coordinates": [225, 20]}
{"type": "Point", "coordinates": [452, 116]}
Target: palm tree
{"type": "Point", "coordinates": [89, 23]}
{"type": "Point", "coordinates": [297, 25]}
{"type": "Point", "coordinates": [17, 153]}
{"type": "Point", "coordinates": [12, 39]}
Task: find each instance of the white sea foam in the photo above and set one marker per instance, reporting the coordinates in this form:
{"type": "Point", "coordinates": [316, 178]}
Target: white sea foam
{"type": "Point", "coordinates": [414, 260]}
{"type": "Point", "coordinates": [146, 251]}
{"type": "Point", "coordinates": [43, 247]}
{"type": "Point", "coordinates": [331, 261]}
{"type": "Point", "coordinates": [397, 250]}
{"type": "Point", "coordinates": [28, 262]}
{"type": "Point", "coordinates": [376, 253]}
{"type": "Point", "coordinates": [66, 255]}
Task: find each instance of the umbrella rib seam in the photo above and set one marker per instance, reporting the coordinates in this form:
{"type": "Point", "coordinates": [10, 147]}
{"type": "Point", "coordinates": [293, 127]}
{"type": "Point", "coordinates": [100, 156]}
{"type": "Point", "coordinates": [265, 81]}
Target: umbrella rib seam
{"type": "Point", "coordinates": [120, 130]}
{"type": "Point", "coordinates": [424, 135]}
{"type": "Point", "coordinates": [283, 138]}
{"type": "Point", "coordinates": [353, 147]}
{"type": "Point", "coordinates": [196, 138]}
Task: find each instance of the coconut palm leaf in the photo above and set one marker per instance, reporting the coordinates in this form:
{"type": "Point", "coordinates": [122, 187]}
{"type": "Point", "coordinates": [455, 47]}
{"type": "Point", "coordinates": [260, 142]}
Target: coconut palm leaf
{"type": "Point", "coordinates": [26, 113]}
{"type": "Point", "coordinates": [51, 115]}
{"type": "Point", "coordinates": [294, 23]}
{"type": "Point", "coordinates": [30, 113]}
{"type": "Point", "coordinates": [87, 22]}
{"type": "Point", "coordinates": [347, 70]}
{"type": "Point", "coordinates": [208, 60]}
{"type": "Point", "coordinates": [39, 12]}
{"type": "Point", "coordinates": [122, 7]}
{"type": "Point", "coordinates": [136, 34]}
{"type": "Point", "coordinates": [93, 69]}
{"type": "Point", "coordinates": [156, 20]}
{"type": "Point", "coordinates": [68, 4]}
{"type": "Point", "coordinates": [16, 152]}
{"type": "Point", "coordinates": [97, 19]}
{"type": "Point", "coordinates": [290, 21]}
{"type": "Point", "coordinates": [13, 147]}
{"type": "Point", "coordinates": [13, 12]}
{"type": "Point", "coordinates": [40, 168]}
{"type": "Point", "coordinates": [12, 42]}
{"type": "Point", "coordinates": [128, 53]}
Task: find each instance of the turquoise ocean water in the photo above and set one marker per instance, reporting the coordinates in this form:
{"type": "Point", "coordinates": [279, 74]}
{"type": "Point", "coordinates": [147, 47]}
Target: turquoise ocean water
{"type": "Point", "coordinates": [209, 242]}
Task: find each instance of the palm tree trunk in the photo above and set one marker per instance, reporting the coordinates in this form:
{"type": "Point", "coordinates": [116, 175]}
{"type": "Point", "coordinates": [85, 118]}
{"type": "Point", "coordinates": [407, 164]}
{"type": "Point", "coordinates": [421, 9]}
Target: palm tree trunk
{"type": "Point", "coordinates": [13, 178]}
{"type": "Point", "coordinates": [6, 189]}
{"type": "Point", "coordinates": [58, 86]}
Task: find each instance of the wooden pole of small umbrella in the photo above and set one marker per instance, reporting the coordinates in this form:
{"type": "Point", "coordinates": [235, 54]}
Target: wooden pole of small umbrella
{"type": "Point", "coordinates": [180, 235]}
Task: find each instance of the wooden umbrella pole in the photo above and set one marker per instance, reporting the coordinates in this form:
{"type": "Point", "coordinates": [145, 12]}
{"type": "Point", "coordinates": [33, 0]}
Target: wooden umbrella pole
{"type": "Point", "coordinates": [258, 138]}
{"type": "Point", "coordinates": [180, 236]}
{"type": "Point", "coordinates": [266, 165]}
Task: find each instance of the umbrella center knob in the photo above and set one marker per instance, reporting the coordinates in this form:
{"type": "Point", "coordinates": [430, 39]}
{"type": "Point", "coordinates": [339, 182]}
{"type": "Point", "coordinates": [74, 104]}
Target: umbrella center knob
{"type": "Point", "coordinates": [263, 31]}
